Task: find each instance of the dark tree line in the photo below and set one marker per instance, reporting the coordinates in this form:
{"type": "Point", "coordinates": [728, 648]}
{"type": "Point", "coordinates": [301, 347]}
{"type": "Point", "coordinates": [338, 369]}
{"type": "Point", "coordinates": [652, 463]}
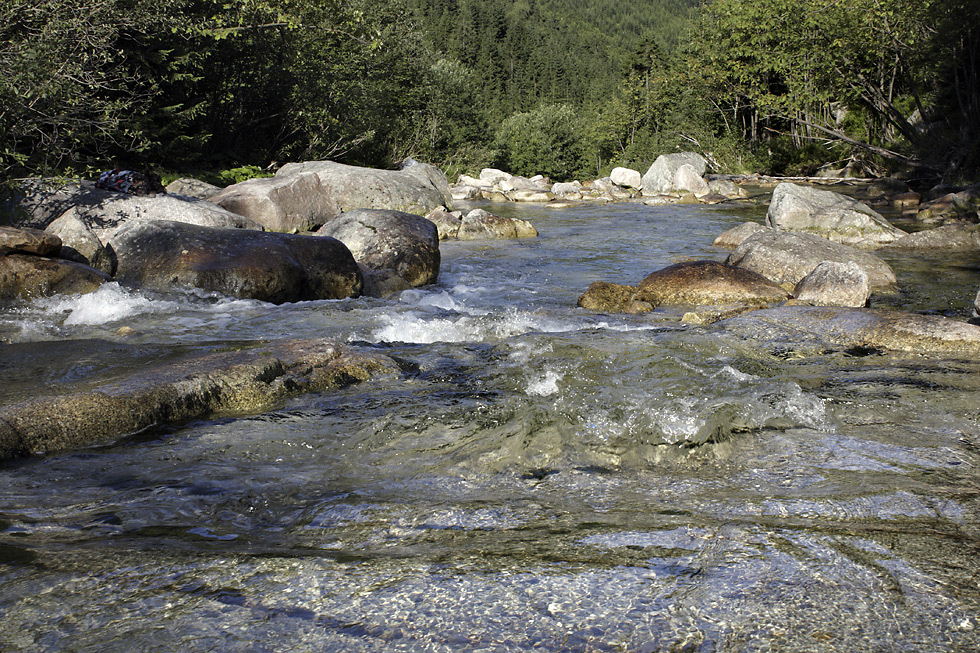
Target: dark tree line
{"type": "Point", "coordinates": [569, 88]}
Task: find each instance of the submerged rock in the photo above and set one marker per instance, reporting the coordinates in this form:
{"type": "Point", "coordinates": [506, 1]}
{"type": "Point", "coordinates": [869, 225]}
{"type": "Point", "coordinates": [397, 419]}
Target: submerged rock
{"type": "Point", "coordinates": [861, 328]}
{"type": "Point", "coordinates": [834, 216]}
{"type": "Point", "coordinates": [706, 283]}
{"type": "Point", "coordinates": [245, 381]}
{"type": "Point", "coordinates": [405, 243]}
{"type": "Point", "coordinates": [271, 267]}
{"type": "Point", "coordinates": [786, 257]}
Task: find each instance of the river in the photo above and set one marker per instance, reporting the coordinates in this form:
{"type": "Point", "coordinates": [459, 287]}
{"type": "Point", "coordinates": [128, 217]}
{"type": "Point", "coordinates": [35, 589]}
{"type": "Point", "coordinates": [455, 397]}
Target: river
{"type": "Point", "coordinates": [540, 477]}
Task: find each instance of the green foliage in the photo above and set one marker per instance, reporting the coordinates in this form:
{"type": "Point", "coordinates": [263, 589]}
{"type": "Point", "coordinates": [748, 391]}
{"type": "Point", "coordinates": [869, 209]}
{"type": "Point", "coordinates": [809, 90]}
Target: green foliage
{"type": "Point", "coordinates": [544, 141]}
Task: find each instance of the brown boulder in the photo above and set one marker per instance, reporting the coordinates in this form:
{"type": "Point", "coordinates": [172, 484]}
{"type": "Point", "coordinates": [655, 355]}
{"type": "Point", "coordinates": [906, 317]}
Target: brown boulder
{"type": "Point", "coordinates": [271, 267]}
{"type": "Point", "coordinates": [28, 241]}
{"type": "Point", "coordinates": [28, 276]}
{"type": "Point", "coordinates": [705, 283]}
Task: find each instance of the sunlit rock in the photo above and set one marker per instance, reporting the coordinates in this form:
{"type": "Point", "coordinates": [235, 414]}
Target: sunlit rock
{"type": "Point", "coordinates": [734, 237]}
{"type": "Point", "coordinates": [831, 215]}
{"type": "Point", "coordinates": [785, 257]}
{"type": "Point", "coordinates": [700, 283]}
{"type": "Point", "coordinates": [659, 178]}
{"type": "Point", "coordinates": [403, 242]}
{"type": "Point", "coordinates": [832, 283]}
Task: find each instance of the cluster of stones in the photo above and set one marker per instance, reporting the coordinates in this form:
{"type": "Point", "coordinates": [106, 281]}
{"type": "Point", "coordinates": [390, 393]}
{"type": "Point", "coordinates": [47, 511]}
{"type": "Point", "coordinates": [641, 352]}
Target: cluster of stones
{"type": "Point", "coordinates": [673, 178]}
{"type": "Point", "coordinates": [315, 230]}
{"type": "Point", "coordinates": [813, 252]}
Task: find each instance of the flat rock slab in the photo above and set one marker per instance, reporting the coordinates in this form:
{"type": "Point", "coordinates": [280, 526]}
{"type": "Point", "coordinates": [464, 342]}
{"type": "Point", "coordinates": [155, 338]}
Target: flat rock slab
{"type": "Point", "coordinates": [859, 327]}
{"type": "Point", "coordinates": [246, 381]}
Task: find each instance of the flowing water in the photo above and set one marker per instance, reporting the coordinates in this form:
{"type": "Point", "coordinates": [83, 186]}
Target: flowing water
{"type": "Point", "coordinates": [539, 477]}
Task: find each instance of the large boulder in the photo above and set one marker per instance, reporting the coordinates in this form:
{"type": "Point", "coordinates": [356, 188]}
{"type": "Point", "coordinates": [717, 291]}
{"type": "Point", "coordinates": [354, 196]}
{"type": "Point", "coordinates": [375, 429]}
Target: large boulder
{"type": "Point", "coordinates": [953, 237]}
{"type": "Point", "coordinates": [287, 203]}
{"type": "Point", "coordinates": [446, 222]}
{"type": "Point", "coordinates": [659, 178]}
{"type": "Point", "coordinates": [27, 276]}
{"type": "Point", "coordinates": [708, 283]}
{"type": "Point", "coordinates": [248, 264]}
{"type": "Point", "coordinates": [304, 196]}
{"type": "Point", "coordinates": [626, 177]}
{"type": "Point", "coordinates": [245, 380]}
{"type": "Point", "coordinates": [786, 257]}
{"type": "Point", "coordinates": [40, 202]}
{"type": "Point", "coordinates": [834, 216]}
{"type": "Point", "coordinates": [417, 188]}
{"type": "Point", "coordinates": [190, 187]}
{"type": "Point", "coordinates": [405, 243]}
{"type": "Point", "coordinates": [605, 297]}
{"type": "Point", "coordinates": [834, 284]}
{"type": "Point", "coordinates": [687, 179]}
{"type": "Point", "coordinates": [860, 328]}
{"type": "Point", "coordinates": [80, 244]}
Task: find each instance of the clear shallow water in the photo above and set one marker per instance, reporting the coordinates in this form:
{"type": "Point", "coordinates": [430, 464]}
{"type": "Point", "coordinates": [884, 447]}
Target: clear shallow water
{"type": "Point", "coordinates": [541, 477]}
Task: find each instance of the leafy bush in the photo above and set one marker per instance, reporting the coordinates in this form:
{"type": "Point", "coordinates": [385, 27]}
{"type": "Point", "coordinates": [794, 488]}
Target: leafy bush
{"type": "Point", "coordinates": [545, 141]}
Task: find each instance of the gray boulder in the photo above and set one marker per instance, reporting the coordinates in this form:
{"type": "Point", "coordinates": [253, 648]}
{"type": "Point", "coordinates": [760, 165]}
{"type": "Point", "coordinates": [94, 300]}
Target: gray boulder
{"type": "Point", "coordinates": [860, 327]}
{"type": "Point", "coordinates": [834, 216]}
{"type": "Point", "coordinates": [304, 196]}
{"type": "Point", "coordinates": [834, 284]}
{"type": "Point", "coordinates": [287, 203]}
{"type": "Point", "coordinates": [708, 283]}
{"type": "Point", "coordinates": [734, 237]}
{"type": "Point", "coordinates": [271, 267]}
{"type": "Point", "coordinates": [405, 243]}
{"type": "Point", "coordinates": [687, 179]}
{"type": "Point", "coordinates": [41, 202]}
{"type": "Point", "coordinates": [246, 380]}
{"type": "Point", "coordinates": [195, 188]}
{"type": "Point", "coordinates": [417, 188]}
{"type": "Point", "coordinates": [447, 222]}
{"type": "Point", "coordinates": [786, 257]}
{"type": "Point", "coordinates": [976, 305]}
{"type": "Point", "coordinates": [659, 178]}
{"type": "Point", "coordinates": [626, 177]}
{"type": "Point", "coordinates": [479, 224]}
{"type": "Point", "coordinates": [80, 244]}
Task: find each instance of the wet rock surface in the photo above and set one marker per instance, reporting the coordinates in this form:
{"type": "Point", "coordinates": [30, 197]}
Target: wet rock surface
{"type": "Point", "coordinates": [861, 328]}
{"type": "Point", "coordinates": [250, 380]}
{"type": "Point", "coordinates": [240, 263]}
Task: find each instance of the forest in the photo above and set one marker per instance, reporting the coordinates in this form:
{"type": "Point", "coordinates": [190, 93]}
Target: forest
{"type": "Point", "coordinates": [226, 89]}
